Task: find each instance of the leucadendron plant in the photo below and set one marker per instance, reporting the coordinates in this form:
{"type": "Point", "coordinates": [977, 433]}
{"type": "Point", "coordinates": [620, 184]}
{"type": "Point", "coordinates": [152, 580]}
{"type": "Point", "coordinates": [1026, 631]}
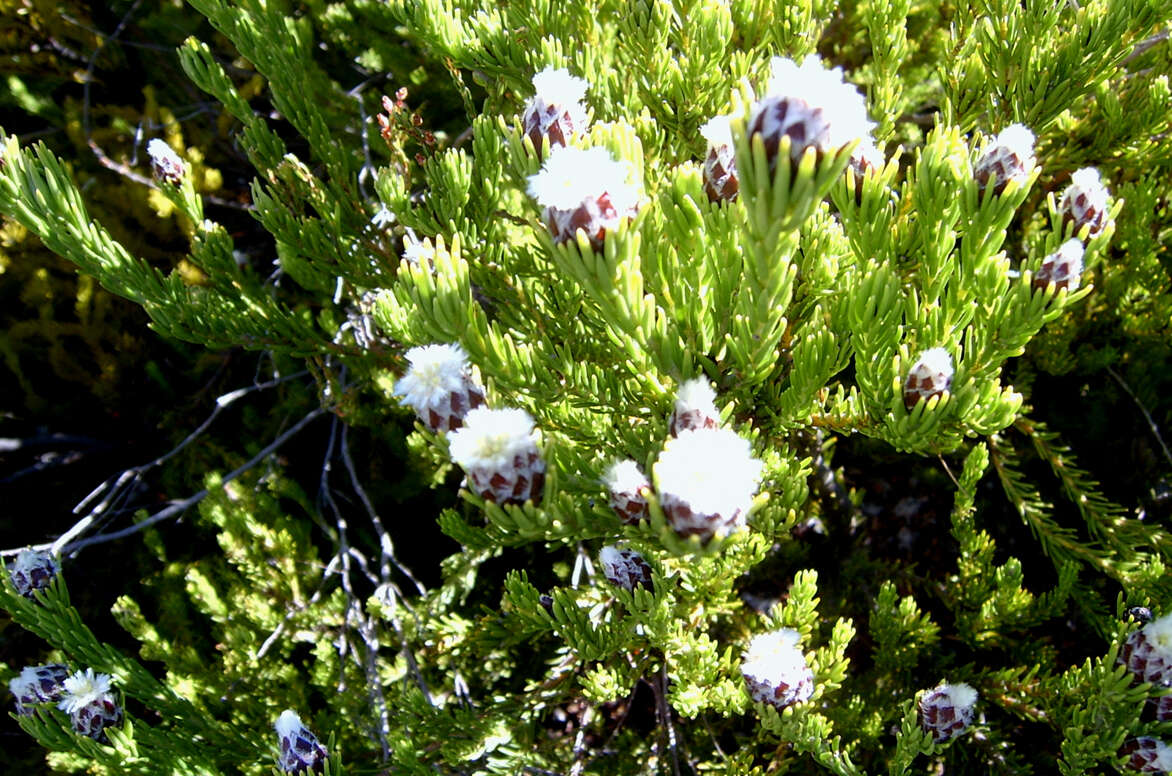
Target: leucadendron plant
{"type": "Point", "coordinates": [678, 257]}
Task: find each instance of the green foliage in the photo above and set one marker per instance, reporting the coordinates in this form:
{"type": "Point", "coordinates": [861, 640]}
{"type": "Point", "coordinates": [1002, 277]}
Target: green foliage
{"type": "Point", "coordinates": [805, 302]}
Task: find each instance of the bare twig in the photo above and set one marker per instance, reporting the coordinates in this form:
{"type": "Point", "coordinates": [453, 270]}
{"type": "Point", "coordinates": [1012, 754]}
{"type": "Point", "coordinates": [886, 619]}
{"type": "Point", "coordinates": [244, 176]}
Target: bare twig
{"type": "Point", "coordinates": [180, 507]}
{"type": "Point", "coordinates": [1146, 44]}
{"type": "Point", "coordinates": [1147, 416]}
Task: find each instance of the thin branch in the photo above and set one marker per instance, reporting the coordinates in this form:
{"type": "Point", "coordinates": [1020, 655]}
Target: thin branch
{"type": "Point", "coordinates": [180, 507]}
{"type": "Point", "coordinates": [1147, 416]}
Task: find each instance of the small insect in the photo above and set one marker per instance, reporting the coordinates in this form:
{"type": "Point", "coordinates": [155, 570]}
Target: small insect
{"type": "Point", "coordinates": [1141, 614]}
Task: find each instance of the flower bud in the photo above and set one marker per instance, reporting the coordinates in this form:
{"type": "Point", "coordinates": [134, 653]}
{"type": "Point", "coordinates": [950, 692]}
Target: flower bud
{"type": "Point", "coordinates": [300, 749]}
{"type": "Point", "coordinates": [165, 163]}
{"type": "Point", "coordinates": [695, 407]}
{"type": "Point", "coordinates": [625, 568]}
{"type": "Point", "coordinates": [776, 671]}
{"type": "Point", "coordinates": [947, 710]}
{"type": "Point", "coordinates": [930, 376]}
{"type": "Point", "coordinates": [720, 167]}
{"type": "Point", "coordinates": [556, 110]}
{"type": "Point", "coordinates": [439, 386]}
{"type": "Point", "coordinates": [814, 106]}
{"type": "Point", "coordinates": [498, 452]}
{"type": "Point", "coordinates": [1147, 755]}
{"type": "Point", "coordinates": [1009, 158]}
{"type": "Point", "coordinates": [38, 684]}
{"type": "Point", "coordinates": [706, 480]}
{"type": "Point", "coordinates": [33, 570]}
{"type": "Point", "coordinates": [90, 704]}
{"type": "Point", "coordinates": [625, 484]}
{"type": "Point", "coordinates": [1062, 268]}
{"type": "Point", "coordinates": [1085, 202]}
{"type": "Point", "coordinates": [583, 189]}
{"type": "Point", "coordinates": [1147, 652]}
{"type": "Point", "coordinates": [865, 160]}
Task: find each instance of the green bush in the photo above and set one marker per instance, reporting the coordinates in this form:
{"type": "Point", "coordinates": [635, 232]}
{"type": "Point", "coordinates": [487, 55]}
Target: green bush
{"type": "Point", "coordinates": [907, 532]}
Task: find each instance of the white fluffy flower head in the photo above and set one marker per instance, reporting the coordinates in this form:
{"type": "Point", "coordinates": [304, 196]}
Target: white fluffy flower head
{"type": "Point", "coordinates": [435, 372]}
{"type": "Point", "coordinates": [1088, 180]}
{"type": "Point", "coordinates": [288, 724]}
{"type": "Point", "coordinates": [717, 131]}
{"type": "Point", "coordinates": [1158, 633]}
{"type": "Point", "coordinates": [162, 154]}
{"type": "Point", "coordinates": [571, 175]}
{"type": "Point", "coordinates": [696, 394]}
{"type": "Point", "coordinates": [492, 439]}
{"type": "Point", "coordinates": [934, 360]}
{"type": "Point", "coordinates": [959, 695]}
{"type": "Point", "coordinates": [1018, 139]}
{"type": "Point", "coordinates": [557, 87]}
{"type": "Point", "coordinates": [82, 689]}
{"type": "Point", "coordinates": [774, 655]}
{"type": "Point", "coordinates": [624, 477]}
{"type": "Point", "coordinates": [843, 106]}
{"type": "Point", "coordinates": [712, 470]}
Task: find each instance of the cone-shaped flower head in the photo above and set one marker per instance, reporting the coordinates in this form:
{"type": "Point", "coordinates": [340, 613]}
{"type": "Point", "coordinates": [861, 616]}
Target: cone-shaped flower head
{"type": "Point", "coordinates": [695, 407]}
{"type": "Point", "coordinates": [625, 568]}
{"type": "Point", "coordinates": [1147, 755]}
{"type": "Point", "coordinates": [90, 703]}
{"type": "Point", "coordinates": [300, 749]}
{"type": "Point", "coordinates": [706, 480]}
{"type": "Point", "coordinates": [1147, 652]}
{"type": "Point", "coordinates": [624, 482]}
{"type": "Point", "coordinates": [1010, 157]}
{"type": "Point", "coordinates": [498, 452]}
{"type": "Point", "coordinates": [439, 386]}
{"type": "Point", "coordinates": [814, 106]}
{"type": "Point", "coordinates": [555, 110]}
{"type": "Point", "coordinates": [930, 376]}
{"type": "Point", "coordinates": [32, 570]}
{"type": "Point", "coordinates": [775, 670]}
{"type": "Point", "coordinates": [865, 160]}
{"type": "Point", "coordinates": [947, 710]}
{"type": "Point", "coordinates": [165, 163]}
{"type": "Point", "coordinates": [38, 684]}
{"type": "Point", "coordinates": [583, 189]}
{"type": "Point", "coordinates": [1062, 268]}
{"type": "Point", "coordinates": [1085, 201]}
{"type": "Point", "coordinates": [720, 167]}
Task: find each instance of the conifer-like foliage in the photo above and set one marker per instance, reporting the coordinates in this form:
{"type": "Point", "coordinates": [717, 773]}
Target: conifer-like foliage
{"type": "Point", "coordinates": [878, 297]}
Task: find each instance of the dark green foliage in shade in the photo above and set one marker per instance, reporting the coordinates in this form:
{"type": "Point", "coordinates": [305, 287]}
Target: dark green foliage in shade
{"type": "Point", "coordinates": [983, 535]}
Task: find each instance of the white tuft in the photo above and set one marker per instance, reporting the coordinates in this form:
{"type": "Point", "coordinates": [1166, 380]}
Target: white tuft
{"type": "Point", "coordinates": [558, 87]}
{"type": "Point", "coordinates": [934, 360]}
{"type": "Point", "coordinates": [435, 372]}
{"type": "Point", "coordinates": [696, 395]}
{"type": "Point", "coordinates": [415, 249]}
{"type": "Point", "coordinates": [29, 560]}
{"type": "Point", "coordinates": [959, 695]}
{"type": "Point", "coordinates": [163, 155]}
{"type": "Point", "coordinates": [625, 477]}
{"type": "Point", "coordinates": [27, 685]}
{"type": "Point", "coordinates": [843, 106]}
{"type": "Point", "coordinates": [713, 471]}
{"type": "Point", "coordinates": [1088, 179]}
{"type": "Point", "coordinates": [491, 439]}
{"type": "Point", "coordinates": [1158, 634]}
{"type": "Point", "coordinates": [288, 724]}
{"type": "Point", "coordinates": [383, 218]}
{"type": "Point", "coordinates": [717, 132]}
{"type": "Point", "coordinates": [774, 656]}
{"type": "Point", "coordinates": [571, 176]}
{"type": "Point", "coordinates": [1018, 139]}
{"type": "Point", "coordinates": [82, 689]}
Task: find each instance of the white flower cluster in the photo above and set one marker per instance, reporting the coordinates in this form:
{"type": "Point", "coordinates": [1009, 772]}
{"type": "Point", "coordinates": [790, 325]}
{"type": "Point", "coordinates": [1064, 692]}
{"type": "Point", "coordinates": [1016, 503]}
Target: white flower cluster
{"type": "Point", "coordinates": [706, 480]}
{"type": "Point", "coordinates": [1147, 652]}
{"type": "Point", "coordinates": [555, 111]}
{"type": "Point", "coordinates": [166, 165]}
{"type": "Point", "coordinates": [584, 188]}
{"type": "Point", "coordinates": [815, 107]}
{"type": "Point", "coordinates": [930, 375]}
{"type": "Point", "coordinates": [497, 449]}
{"type": "Point", "coordinates": [720, 166]}
{"type": "Point", "coordinates": [625, 483]}
{"type": "Point", "coordinates": [1085, 201]}
{"type": "Point", "coordinates": [695, 407]}
{"type": "Point", "coordinates": [90, 703]}
{"type": "Point", "coordinates": [1009, 158]}
{"type": "Point", "coordinates": [300, 749]}
{"type": "Point", "coordinates": [33, 570]}
{"type": "Point", "coordinates": [947, 710]}
{"type": "Point", "coordinates": [1062, 268]}
{"type": "Point", "coordinates": [775, 669]}
{"type": "Point", "coordinates": [36, 685]}
{"type": "Point", "coordinates": [439, 386]}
